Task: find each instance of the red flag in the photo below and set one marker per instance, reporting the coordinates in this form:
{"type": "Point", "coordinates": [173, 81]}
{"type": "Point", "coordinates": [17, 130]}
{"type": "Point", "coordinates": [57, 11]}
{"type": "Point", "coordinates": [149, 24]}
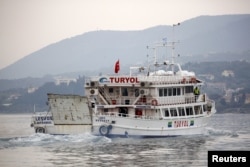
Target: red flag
{"type": "Point", "coordinates": [117, 66]}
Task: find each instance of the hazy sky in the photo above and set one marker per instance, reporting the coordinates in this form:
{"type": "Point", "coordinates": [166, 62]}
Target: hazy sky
{"type": "Point", "coordinates": [29, 25]}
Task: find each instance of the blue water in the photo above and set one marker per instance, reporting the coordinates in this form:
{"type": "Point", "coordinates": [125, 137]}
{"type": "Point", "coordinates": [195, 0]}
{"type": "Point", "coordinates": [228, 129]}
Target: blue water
{"type": "Point", "coordinates": [20, 146]}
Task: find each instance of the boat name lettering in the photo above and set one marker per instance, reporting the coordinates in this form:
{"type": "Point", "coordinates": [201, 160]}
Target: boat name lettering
{"type": "Point", "coordinates": [102, 119]}
{"type": "Point", "coordinates": [43, 118]}
{"type": "Point", "coordinates": [124, 80]}
{"type": "Point", "coordinates": [181, 123]}
{"type": "Point", "coordinates": [43, 122]}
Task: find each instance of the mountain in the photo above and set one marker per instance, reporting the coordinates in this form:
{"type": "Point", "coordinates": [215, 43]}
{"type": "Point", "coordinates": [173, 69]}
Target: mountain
{"type": "Point", "coordinates": [96, 50]}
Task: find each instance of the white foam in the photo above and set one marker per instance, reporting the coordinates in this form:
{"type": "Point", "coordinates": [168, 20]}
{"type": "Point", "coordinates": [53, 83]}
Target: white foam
{"type": "Point", "coordinates": [218, 132]}
{"type": "Point", "coordinates": [40, 139]}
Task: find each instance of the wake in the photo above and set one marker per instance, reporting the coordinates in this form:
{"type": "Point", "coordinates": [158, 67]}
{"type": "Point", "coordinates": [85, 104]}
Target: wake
{"type": "Point", "coordinates": [40, 139]}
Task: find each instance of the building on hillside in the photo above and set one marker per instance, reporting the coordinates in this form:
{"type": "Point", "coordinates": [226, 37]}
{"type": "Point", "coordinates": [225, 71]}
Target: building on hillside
{"type": "Point", "coordinates": [61, 80]}
{"type": "Point", "coordinates": [228, 95]}
{"type": "Point", "coordinates": [32, 89]}
{"type": "Point", "coordinates": [247, 100]}
{"type": "Point", "coordinates": [227, 73]}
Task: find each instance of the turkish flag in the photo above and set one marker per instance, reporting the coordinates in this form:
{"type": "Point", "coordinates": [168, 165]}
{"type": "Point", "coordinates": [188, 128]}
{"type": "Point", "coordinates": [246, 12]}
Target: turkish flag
{"type": "Point", "coordinates": [117, 66]}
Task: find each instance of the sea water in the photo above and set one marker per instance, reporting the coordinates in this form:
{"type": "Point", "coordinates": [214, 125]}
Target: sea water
{"type": "Point", "coordinates": [20, 146]}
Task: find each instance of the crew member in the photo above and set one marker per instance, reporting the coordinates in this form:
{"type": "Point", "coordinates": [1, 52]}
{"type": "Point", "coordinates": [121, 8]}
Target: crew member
{"type": "Point", "coordinates": [196, 92]}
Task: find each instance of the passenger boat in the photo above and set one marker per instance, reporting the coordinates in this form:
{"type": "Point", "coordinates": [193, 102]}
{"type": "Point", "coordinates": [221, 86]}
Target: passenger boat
{"type": "Point", "coordinates": [156, 100]}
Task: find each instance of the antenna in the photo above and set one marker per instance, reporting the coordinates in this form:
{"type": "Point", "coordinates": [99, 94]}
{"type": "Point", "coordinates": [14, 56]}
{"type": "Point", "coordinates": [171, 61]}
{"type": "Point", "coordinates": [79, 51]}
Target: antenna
{"type": "Point", "coordinates": [173, 43]}
{"type": "Point", "coordinates": [163, 43]}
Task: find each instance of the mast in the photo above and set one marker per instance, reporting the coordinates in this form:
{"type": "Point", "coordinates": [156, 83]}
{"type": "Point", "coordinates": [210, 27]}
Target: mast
{"type": "Point", "coordinates": [166, 44]}
{"type": "Point", "coordinates": [173, 45]}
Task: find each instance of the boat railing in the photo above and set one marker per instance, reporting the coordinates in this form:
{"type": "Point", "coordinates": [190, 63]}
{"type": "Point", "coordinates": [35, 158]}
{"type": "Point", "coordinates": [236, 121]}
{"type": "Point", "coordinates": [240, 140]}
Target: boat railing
{"type": "Point", "coordinates": [156, 101]}
{"type": "Point", "coordinates": [122, 115]}
{"type": "Point", "coordinates": [180, 99]}
{"type": "Point", "coordinates": [175, 79]}
{"type": "Point", "coordinates": [123, 100]}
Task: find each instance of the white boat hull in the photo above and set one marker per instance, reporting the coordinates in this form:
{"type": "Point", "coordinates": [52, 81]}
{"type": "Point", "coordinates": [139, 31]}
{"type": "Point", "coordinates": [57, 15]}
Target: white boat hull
{"type": "Point", "coordinates": [129, 127]}
{"type": "Point", "coordinates": [68, 129]}
{"type": "Point", "coordinates": [48, 127]}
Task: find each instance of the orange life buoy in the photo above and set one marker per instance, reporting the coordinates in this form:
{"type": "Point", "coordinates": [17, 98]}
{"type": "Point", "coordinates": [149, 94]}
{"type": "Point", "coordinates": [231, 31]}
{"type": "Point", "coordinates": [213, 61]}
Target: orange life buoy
{"type": "Point", "coordinates": [154, 102]}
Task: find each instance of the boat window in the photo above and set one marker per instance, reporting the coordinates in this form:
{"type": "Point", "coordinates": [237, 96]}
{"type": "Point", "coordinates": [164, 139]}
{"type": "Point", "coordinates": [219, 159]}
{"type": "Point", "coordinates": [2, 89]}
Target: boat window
{"type": "Point", "coordinates": [111, 90]}
{"type": "Point", "coordinates": [189, 110]}
{"type": "Point", "coordinates": [204, 108]}
{"type": "Point", "coordinates": [166, 113]}
{"type": "Point", "coordinates": [173, 112]}
{"type": "Point", "coordinates": [181, 111]}
{"type": "Point", "coordinates": [178, 91]}
{"type": "Point", "coordinates": [123, 111]}
{"type": "Point", "coordinates": [160, 92]}
{"type": "Point", "coordinates": [189, 89]}
{"type": "Point", "coordinates": [165, 92]}
{"type": "Point", "coordinates": [124, 92]}
{"type": "Point", "coordinates": [137, 92]}
{"type": "Point", "coordinates": [174, 91]}
{"type": "Point", "coordinates": [197, 110]}
{"type": "Point", "coordinates": [170, 92]}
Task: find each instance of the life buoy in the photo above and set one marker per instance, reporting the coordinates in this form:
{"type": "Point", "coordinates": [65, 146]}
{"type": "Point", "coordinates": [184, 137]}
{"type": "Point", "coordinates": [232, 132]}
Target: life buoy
{"type": "Point", "coordinates": [154, 102]}
{"type": "Point", "coordinates": [104, 130]}
{"type": "Point", "coordinates": [40, 130]}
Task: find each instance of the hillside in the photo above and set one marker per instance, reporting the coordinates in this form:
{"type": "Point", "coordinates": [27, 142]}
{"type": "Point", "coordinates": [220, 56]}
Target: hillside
{"type": "Point", "coordinates": [231, 93]}
{"type": "Point", "coordinates": [96, 50]}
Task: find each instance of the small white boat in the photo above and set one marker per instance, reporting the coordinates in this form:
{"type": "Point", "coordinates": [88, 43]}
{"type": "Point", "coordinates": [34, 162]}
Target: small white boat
{"type": "Point", "coordinates": [67, 114]}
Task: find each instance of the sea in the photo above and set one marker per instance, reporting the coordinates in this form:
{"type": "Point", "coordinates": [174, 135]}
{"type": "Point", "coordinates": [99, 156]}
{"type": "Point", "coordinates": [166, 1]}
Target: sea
{"type": "Point", "coordinates": [21, 146]}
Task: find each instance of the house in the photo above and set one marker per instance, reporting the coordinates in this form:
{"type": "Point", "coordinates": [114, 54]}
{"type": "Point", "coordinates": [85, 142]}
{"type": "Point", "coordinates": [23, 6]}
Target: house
{"type": "Point", "coordinates": [61, 80]}
{"type": "Point", "coordinates": [227, 73]}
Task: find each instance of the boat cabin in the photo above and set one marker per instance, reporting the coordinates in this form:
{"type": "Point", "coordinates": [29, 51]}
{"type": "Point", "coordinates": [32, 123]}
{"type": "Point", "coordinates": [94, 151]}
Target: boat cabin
{"type": "Point", "coordinates": [148, 97]}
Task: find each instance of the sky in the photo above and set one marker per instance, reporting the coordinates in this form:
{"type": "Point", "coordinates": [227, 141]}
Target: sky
{"type": "Point", "coordinates": [30, 25]}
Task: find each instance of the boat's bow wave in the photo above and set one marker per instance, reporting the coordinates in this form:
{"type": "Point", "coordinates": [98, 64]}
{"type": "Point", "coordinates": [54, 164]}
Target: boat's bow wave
{"type": "Point", "coordinates": [46, 139]}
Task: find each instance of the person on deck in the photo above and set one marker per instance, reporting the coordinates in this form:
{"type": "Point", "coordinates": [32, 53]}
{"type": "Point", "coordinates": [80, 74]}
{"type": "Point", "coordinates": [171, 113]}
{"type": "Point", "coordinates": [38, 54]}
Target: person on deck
{"type": "Point", "coordinates": [196, 92]}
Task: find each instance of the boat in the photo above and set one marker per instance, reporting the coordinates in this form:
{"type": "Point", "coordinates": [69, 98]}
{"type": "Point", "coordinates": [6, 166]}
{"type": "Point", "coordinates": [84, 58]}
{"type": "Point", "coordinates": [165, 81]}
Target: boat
{"type": "Point", "coordinates": [67, 114]}
{"type": "Point", "coordinates": [156, 100]}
